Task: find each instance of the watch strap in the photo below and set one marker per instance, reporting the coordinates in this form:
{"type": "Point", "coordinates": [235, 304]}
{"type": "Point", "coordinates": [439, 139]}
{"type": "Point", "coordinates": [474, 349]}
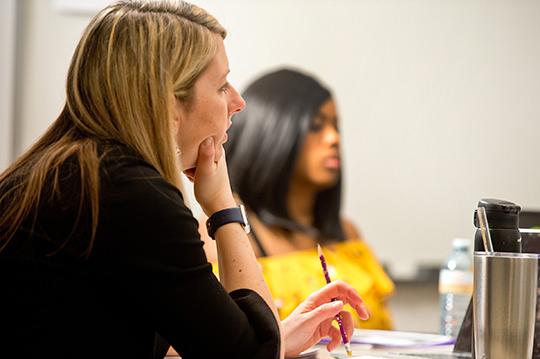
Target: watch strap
{"type": "Point", "coordinates": [225, 216]}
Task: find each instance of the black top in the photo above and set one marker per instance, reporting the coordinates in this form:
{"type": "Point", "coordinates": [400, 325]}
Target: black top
{"type": "Point", "coordinates": [147, 274]}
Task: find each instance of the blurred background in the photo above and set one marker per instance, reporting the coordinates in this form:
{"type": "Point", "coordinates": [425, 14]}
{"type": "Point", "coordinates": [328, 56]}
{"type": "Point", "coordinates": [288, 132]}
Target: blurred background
{"type": "Point", "coordinates": [439, 105]}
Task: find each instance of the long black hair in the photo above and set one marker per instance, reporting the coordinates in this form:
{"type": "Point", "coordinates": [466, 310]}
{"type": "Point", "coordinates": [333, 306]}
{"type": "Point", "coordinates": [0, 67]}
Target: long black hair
{"type": "Point", "coordinates": [264, 144]}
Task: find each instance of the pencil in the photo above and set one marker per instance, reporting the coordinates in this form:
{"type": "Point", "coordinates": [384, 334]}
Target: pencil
{"type": "Point", "coordinates": [339, 320]}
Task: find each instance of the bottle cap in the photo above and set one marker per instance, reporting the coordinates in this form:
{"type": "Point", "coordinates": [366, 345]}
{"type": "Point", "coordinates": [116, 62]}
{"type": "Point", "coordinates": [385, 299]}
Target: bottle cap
{"type": "Point", "coordinates": [501, 214]}
{"type": "Point", "coordinates": [461, 243]}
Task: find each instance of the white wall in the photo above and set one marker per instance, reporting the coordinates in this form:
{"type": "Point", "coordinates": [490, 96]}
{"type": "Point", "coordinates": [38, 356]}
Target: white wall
{"type": "Point", "coordinates": [439, 101]}
{"type": "Point", "coordinates": [7, 78]}
{"type": "Point", "coordinates": [47, 43]}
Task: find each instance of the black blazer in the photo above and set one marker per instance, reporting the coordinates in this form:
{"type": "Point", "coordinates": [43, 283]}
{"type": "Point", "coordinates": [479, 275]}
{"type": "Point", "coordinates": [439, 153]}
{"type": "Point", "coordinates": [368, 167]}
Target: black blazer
{"type": "Point", "coordinates": [147, 273]}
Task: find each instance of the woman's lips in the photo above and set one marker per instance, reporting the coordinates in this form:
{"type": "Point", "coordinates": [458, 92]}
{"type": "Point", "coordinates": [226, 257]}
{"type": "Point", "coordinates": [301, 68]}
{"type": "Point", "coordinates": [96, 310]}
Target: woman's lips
{"type": "Point", "coordinates": [190, 173]}
{"type": "Point", "coordinates": [332, 163]}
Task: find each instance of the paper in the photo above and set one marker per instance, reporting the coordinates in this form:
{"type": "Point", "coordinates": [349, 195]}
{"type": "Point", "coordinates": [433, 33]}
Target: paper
{"type": "Point", "coordinates": [396, 339]}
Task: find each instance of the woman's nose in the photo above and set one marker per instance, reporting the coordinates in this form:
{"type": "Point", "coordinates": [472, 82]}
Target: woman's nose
{"type": "Point", "coordinates": [331, 134]}
{"type": "Point", "coordinates": [237, 102]}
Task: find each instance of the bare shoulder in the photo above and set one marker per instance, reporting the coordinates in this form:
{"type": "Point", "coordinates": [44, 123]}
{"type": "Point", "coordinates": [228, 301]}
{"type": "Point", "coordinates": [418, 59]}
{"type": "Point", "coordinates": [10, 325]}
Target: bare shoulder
{"type": "Point", "coordinates": [350, 229]}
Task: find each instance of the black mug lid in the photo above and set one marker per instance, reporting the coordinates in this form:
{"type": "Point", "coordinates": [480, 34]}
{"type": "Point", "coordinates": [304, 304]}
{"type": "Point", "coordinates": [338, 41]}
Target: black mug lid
{"type": "Point", "coordinates": [501, 214]}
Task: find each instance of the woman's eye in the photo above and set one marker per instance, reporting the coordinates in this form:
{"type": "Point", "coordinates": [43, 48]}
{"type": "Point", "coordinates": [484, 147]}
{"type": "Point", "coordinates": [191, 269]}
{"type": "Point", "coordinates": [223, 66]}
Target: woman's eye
{"type": "Point", "coordinates": [224, 88]}
{"type": "Point", "coordinates": [315, 127]}
{"type": "Point", "coordinates": [319, 123]}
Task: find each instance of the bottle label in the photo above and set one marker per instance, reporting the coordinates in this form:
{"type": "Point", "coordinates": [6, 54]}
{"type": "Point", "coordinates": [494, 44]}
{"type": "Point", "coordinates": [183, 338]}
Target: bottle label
{"type": "Point", "coordinates": [453, 281]}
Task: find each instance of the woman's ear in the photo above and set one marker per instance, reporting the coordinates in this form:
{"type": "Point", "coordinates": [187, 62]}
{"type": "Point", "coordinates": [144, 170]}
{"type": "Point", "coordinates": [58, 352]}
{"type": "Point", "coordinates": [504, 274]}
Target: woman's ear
{"type": "Point", "coordinates": [175, 126]}
{"type": "Point", "coordinates": [177, 116]}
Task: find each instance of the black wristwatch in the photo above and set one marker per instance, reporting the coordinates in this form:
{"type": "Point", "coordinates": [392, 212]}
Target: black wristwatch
{"type": "Point", "coordinates": [228, 215]}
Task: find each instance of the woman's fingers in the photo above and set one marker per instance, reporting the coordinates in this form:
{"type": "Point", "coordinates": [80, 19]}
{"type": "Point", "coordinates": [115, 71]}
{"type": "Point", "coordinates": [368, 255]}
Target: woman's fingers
{"type": "Point", "coordinates": [211, 182]}
{"type": "Point", "coordinates": [335, 338]}
{"type": "Point", "coordinates": [348, 324]}
{"type": "Point", "coordinates": [325, 311]}
{"type": "Point", "coordinates": [343, 292]}
{"type": "Point", "coordinates": [205, 161]}
{"type": "Point", "coordinates": [335, 334]}
{"type": "Point", "coordinates": [336, 289]}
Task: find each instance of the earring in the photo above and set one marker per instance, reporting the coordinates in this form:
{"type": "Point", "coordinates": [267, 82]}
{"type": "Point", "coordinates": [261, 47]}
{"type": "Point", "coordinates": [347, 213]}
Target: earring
{"type": "Point", "coordinates": [178, 151]}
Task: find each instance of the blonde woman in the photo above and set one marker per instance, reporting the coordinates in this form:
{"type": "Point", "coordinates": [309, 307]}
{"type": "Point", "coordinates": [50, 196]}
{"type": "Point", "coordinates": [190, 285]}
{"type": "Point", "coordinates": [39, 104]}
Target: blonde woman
{"type": "Point", "coordinates": [99, 253]}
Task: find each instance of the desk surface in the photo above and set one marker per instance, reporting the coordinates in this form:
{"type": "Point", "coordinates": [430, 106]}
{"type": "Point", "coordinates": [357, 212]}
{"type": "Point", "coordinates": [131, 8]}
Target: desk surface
{"type": "Point", "coordinates": [376, 354]}
{"type": "Point", "coordinates": [437, 352]}
{"type": "Point", "coordinates": [369, 351]}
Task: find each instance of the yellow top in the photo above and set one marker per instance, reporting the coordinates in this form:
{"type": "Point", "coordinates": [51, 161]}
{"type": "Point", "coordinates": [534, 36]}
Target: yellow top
{"type": "Point", "coordinates": [292, 277]}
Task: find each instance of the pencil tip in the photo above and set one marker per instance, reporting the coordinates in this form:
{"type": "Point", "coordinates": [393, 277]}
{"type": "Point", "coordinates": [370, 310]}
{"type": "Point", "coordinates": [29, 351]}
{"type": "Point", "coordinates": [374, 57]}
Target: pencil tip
{"type": "Point", "coordinates": [348, 349]}
{"type": "Point", "coordinates": [319, 249]}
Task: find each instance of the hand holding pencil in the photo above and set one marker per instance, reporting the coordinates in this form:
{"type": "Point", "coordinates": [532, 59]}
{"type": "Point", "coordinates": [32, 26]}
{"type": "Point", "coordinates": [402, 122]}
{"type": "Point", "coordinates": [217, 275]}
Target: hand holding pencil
{"type": "Point", "coordinates": [312, 319]}
{"type": "Point", "coordinates": [339, 318]}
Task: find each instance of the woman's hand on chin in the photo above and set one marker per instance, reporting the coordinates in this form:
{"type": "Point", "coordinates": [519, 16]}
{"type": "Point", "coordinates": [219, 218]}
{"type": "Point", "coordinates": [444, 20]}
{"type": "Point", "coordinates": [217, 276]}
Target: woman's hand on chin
{"type": "Point", "coordinates": [211, 180]}
{"type": "Point", "coordinates": [312, 319]}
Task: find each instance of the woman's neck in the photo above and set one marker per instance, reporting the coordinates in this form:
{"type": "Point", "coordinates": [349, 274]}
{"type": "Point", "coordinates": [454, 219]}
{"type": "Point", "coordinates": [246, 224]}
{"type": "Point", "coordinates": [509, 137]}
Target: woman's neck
{"type": "Point", "coordinates": [300, 202]}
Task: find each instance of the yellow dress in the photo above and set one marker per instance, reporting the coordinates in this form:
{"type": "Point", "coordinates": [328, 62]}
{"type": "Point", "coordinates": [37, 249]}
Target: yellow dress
{"type": "Point", "coordinates": [292, 277]}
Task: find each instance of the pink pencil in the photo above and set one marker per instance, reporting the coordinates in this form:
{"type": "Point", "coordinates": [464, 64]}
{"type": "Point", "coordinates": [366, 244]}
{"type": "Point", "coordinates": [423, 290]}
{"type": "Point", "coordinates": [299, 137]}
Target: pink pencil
{"type": "Point", "coordinates": [338, 317]}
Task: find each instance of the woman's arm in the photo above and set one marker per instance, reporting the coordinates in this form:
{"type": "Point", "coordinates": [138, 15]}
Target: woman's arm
{"type": "Point", "coordinates": [238, 267]}
{"type": "Point", "coordinates": [210, 245]}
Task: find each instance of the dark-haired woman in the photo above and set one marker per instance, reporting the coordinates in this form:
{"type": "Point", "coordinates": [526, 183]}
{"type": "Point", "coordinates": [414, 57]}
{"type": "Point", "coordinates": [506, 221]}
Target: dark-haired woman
{"type": "Point", "coordinates": [285, 165]}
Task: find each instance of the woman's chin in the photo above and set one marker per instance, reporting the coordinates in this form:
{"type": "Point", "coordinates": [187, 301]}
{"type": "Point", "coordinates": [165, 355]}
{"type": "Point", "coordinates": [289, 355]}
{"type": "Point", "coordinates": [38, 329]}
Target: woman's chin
{"type": "Point", "coordinates": [329, 179]}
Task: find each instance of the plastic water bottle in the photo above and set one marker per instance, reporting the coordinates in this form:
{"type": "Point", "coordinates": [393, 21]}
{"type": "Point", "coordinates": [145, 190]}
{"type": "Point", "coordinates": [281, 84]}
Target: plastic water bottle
{"type": "Point", "coordinates": [455, 286]}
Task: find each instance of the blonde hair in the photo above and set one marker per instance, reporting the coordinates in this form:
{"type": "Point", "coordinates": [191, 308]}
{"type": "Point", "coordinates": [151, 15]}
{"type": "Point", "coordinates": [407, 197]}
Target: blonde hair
{"type": "Point", "coordinates": [133, 60]}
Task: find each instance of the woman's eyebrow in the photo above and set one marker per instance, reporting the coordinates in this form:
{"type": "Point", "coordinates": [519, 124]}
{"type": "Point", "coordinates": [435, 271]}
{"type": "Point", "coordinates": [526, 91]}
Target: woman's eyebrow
{"type": "Point", "coordinates": [224, 76]}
